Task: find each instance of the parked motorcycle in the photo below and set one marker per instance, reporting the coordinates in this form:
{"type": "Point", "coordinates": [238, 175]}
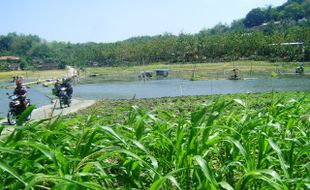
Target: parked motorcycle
{"type": "Point", "coordinates": [64, 99]}
{"type": "Point", "coordinates": [16, 108]}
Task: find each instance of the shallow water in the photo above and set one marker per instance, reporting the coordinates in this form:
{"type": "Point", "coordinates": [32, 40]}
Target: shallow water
{"type": "Point", "coordinates": [163, 88]}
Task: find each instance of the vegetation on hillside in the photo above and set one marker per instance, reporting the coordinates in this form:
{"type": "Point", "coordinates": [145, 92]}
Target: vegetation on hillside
{"type": "Point", "coordinates": [244, 39]}
{"type": "Point", "coordinates": [250, 141]}
{"type": "Point", "coordinates": [292, 10]}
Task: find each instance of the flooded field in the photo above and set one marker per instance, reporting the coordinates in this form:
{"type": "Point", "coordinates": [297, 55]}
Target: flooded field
{"type": "Point", "coordinates": [162, 88]}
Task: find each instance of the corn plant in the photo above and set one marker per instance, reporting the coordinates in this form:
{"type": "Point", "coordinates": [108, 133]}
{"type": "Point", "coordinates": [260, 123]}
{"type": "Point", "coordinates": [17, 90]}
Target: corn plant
{"type": "Point", "coordinates": [228, 142]}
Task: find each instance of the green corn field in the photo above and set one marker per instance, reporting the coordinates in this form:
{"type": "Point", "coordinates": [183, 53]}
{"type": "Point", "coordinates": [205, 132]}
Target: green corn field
{"type": "Point", "coordinates": [245, 141]}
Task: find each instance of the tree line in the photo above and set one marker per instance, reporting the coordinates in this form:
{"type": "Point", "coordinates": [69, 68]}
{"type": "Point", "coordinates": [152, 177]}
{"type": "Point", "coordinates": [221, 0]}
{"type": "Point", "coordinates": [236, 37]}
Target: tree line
{"type": "Point", "coordinates": [220, 43]}
{"type": "Point", "coordinates": [291, 10]}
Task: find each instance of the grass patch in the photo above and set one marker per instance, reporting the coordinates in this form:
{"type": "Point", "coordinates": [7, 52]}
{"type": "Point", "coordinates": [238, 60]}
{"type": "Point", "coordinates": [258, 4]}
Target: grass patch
{"type": "Point", "coordinates": [33, 75]}
{"type": "Point", "coordinates": [203, 71]}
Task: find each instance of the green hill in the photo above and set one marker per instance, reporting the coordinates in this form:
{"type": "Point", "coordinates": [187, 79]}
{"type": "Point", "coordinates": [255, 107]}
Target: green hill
{"type": "Point", "coordinates": [259, 36]}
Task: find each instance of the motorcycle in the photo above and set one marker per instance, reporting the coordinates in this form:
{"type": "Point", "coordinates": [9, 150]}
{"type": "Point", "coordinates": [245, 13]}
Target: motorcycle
{"type": "Point", "coordinates": [64, 99]}
{"type": "Point", "coordinates": [16, 108]}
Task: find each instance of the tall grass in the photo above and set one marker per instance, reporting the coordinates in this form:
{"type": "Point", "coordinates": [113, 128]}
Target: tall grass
{"type": "Point", "coordinates": [184, 143]}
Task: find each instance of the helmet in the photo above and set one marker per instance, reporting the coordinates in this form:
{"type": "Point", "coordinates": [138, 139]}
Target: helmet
{"type": "Point", "coordinates": [19, 82]}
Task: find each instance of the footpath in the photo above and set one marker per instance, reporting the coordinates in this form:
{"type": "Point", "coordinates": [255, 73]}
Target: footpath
{"type": "Point", "coordinates": [51, 110]}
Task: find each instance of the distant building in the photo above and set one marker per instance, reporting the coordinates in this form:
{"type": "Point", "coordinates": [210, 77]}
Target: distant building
{"type": "Point", "coordinates": [162, 72]}
{"type": "Point", "coordinates": [14, 62]}
{"type": "Point", "coordinates": [302, 20]}
{"type": "Point", "coordinates": [14, 67]}
{"type": "Point", "coordinates": [9, 58]}
{"type": "Point", "coordinates": [300, 44]}
{"type": "Point", "coordinates": [45, 65]}
{"type": "Point", "coordinates": [48, 66]}
{"type": "Point", "coordinates": [92, 63]}
{"type": "Point", "coordinates": [288, 43]}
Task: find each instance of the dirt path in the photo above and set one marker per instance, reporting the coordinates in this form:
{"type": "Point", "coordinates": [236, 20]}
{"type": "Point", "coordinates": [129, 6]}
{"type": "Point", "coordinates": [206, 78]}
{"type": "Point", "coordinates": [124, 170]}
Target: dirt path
{"type": "Point", "coordinates": [52, 110]}
{"type": "Point", "coordinates": [71, 71]}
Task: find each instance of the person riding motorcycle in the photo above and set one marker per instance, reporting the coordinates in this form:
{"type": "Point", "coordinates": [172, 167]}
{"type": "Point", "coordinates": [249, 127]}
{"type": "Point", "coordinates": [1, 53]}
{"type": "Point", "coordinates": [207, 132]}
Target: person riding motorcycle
{"type": "Point", "coordinates": [67, 83]}
{"type": "Point", "coordinates": [57, 87]}
{"type": "Point", "coordinates": [21, 92]}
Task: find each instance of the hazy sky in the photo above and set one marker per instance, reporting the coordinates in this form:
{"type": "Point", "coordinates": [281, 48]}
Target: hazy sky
{"type": "Point", "coordinates": [114, 20]}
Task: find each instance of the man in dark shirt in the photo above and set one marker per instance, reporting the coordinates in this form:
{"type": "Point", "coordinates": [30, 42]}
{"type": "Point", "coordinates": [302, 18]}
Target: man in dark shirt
{"type": "Point", "coordinates": [21, 92]}
{"type": "Point", "coordinates": [67, 83]}
{"type": "Point", "coordinates": [57, 87]}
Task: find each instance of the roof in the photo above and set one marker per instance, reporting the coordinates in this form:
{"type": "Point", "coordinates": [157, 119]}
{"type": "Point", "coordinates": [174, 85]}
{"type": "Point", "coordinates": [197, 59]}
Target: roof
{"type": "Point", "coordinates": [162, 69]}
{"type": "Point", "coordinates": [48, 65]}
{"type": "Point", "coordinates": [14, 64]}
{"type": "Point", "coordinates": [146, 72]}
{"type": "Point", "coordinates": [288, 43]}
{"type": "Point", "coordinates": [5, 58]}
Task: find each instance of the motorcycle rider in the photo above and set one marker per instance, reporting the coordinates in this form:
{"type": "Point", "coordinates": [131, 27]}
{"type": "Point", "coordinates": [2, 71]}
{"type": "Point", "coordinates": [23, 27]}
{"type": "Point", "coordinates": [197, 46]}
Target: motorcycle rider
{"type": "Point", "coordinates": [57, 87]}
{"type": "Point", "coordinates": [67, 83]}
{"type": "Point", "coordinates": [21, 92]}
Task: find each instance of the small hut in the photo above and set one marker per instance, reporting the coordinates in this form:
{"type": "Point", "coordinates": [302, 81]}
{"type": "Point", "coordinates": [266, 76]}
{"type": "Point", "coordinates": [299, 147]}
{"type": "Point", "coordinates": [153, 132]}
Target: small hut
{"type": "Point", "coordinates": [14, 62]}
{"type": "Point", "coordinates": [48, 66]}
{"type": "Point", "coordinates": [162, 72]}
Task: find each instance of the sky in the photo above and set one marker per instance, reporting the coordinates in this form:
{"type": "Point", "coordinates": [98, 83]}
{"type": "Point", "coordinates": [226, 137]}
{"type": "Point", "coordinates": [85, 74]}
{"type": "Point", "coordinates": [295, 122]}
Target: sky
{"type": "Point", "coordinates": [80, 21]}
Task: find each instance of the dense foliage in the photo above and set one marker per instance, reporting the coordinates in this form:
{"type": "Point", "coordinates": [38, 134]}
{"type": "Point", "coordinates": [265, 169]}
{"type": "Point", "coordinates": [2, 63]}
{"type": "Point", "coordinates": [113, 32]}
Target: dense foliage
{"type": "Point", "coordinates": [291, 10]}
{"type": "Point", "coordinates": [221, 43]}
{"type": "Point", "coordinates": [250, 141]}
